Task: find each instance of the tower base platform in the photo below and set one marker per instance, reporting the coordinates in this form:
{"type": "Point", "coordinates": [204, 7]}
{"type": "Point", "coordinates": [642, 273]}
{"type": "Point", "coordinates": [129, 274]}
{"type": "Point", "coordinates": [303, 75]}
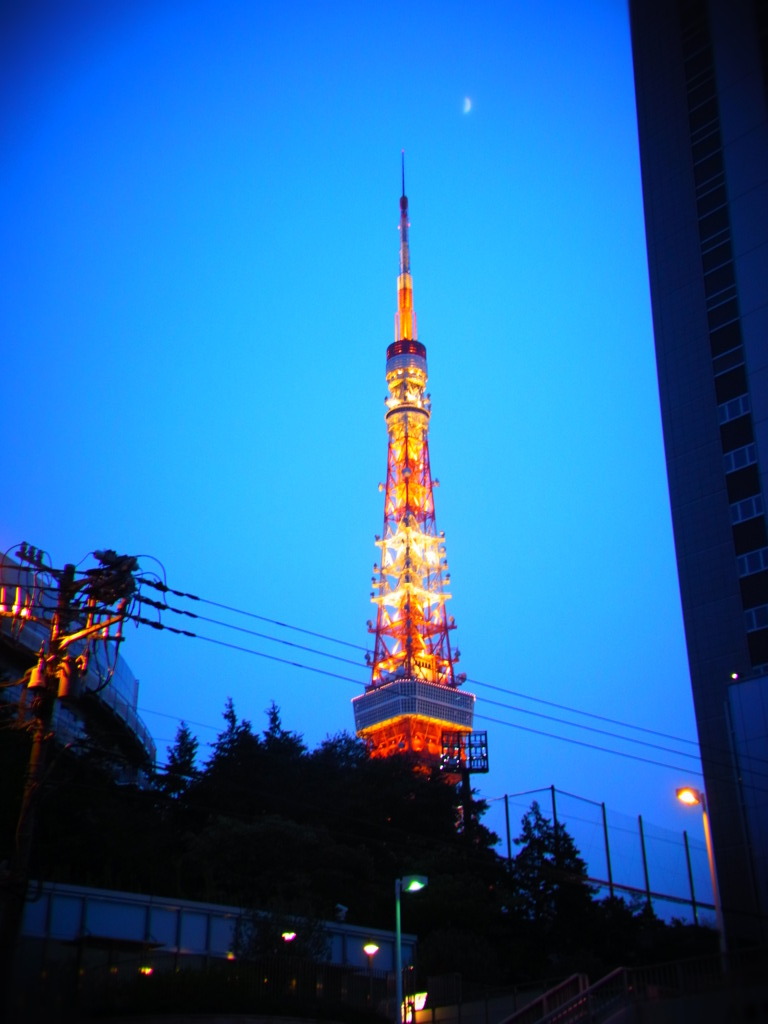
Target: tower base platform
{"type": "Point", "coordinates": [410, 716]}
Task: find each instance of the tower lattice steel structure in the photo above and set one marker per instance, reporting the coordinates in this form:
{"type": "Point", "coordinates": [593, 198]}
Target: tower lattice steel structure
{"type": "Point", "coordinates": [413, 698]}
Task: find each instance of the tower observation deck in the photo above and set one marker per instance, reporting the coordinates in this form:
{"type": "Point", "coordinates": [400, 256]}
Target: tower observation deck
{"type": "Point", "coordinates": [413, 697]}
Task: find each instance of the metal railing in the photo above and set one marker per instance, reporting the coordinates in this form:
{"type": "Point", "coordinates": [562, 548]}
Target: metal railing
{"type": "Point", "coordinates": [629, 985]}
{"type": "Point", "coordinates": [551, 1002]}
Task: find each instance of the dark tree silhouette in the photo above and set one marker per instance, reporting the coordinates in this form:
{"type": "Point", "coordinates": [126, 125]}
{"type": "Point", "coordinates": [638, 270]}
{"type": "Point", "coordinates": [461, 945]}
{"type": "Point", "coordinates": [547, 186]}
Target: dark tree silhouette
{"type": "Point", "coordinates": [266, 824]}
{"type": "Point", "coordinates": [181, 766]}
{"type": "Point", "coordinates": [551, 894]}
{"type": "Point", "coordinates": [549, 872]}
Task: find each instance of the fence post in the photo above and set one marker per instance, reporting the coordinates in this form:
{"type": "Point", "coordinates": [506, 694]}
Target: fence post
{"type": "Point", "coordinates": [607, 850]}
{"type": "Point", "coordinates": [554, 808]}
{"type": "Point", "coordinates": [690, 878]}
{"type": "Point", "coordinates": [645, 864]}
{"type": "Point", "coordinates": [509, 840]}
{"type": "Point", "coordinates": [556, 830]}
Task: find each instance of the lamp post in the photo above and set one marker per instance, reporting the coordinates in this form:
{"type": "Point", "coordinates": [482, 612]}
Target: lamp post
{"type": "Point", "coordinates": [408, 883]}
{"type": "Point", "coordinates": [692, 797]}
{"type": "Point", "coordinates": [370, 949]}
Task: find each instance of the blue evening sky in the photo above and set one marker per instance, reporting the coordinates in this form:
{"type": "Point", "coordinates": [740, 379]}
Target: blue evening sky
{"type": "Point", "coordinates": [198, 249]}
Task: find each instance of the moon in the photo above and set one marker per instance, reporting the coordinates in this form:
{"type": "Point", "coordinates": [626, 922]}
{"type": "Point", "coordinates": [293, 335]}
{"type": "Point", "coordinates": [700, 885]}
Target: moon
{"type": "Point", "coordinates": [467, 105]}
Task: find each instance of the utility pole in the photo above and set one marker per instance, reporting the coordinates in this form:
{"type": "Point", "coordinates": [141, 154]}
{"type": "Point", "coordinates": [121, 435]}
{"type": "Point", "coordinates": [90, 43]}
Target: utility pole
{"type": "Point", "coordinates": [89, 606]}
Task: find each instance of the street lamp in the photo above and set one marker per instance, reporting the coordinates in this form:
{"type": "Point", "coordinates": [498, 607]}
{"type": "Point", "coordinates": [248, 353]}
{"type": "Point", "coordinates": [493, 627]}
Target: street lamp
{"type": "Point", "coordinates": [693, 797]}
{"type": "Point", "coordinates": [408, 883]}
{"type": "Point", "coordinates": [370, 949]}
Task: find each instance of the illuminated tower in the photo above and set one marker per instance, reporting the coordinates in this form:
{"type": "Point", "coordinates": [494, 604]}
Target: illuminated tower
{"type": "Point", "coordinates": [413, 699]}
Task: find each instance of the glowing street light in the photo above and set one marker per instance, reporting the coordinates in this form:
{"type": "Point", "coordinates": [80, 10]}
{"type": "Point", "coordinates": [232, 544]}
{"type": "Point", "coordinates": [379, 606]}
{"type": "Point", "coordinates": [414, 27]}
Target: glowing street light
{"type": "Point", "coordinates": [688, 795]}
{"type": "Point", "coordinates": [697, 797]}
{"type": "Point", "coordinates": [408, 883]}
{"type": "Point", "coordinates": [370, 949]}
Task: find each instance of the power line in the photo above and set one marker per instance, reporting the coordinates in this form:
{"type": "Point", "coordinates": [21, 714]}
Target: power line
{"type": "Point", "coordinates": [250, 632]}
{"type": "Point", "coordinates": [300, 665]}
{"type": "Point", "coordinates": [513, 725]}
{"type": "Point", "coordinates": [591, 728]}
{"type": "Point", "coordinates": [244, 650]}
{"type": "Point", "coordinates": [725, 766]}
{"type": "Point", "coordinates": [163, 588]}
{"type": "Point", "coordinates": [578, 711]}
{"type": "Point", "coordinates": [725, 763]}
{"type": "Point", "coordinates": [163, 606]}
{"type": "Point", "coordinates": [252, 615]}
{"type": "Point", "coordinates": [474, 682]}
{"type": "Point", "coordinates": [590, 746]}
{"type": "Point", "coordinates": [295, 664]}
{"type": "Point", "coordinates": [538, 714]}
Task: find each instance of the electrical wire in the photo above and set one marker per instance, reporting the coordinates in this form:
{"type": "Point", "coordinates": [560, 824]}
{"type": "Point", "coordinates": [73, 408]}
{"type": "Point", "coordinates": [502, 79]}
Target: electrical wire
{"type": "Point", "coordinates": [725, 763]}
{"type": "Point", "coordinates": [591, 728]}
{"type": "Point", "coordinates": [250, 632]}
{"type": "Point", "coordinates": [474, 682]}
{"type": "Point", "coordinates": [253, 615]}
{"type": "Point", "coordinates": [578, 711]}
{"type": "Point", "coordinates": [590, 746]}
{"type": "Point", "coordinates": [576, 725]}
{"type": "Point", "coordinates": [162, 587]}
{"type": "Point", "coordinates": [163, 606]}
{"type": "Point", "coordinates": [244, 650]}
{"type": "Point", "coordinates": [175, 718]}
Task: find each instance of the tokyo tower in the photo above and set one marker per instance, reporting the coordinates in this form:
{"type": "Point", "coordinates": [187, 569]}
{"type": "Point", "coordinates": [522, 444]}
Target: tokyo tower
{"type": "Point", "coordinates": [413, 700]}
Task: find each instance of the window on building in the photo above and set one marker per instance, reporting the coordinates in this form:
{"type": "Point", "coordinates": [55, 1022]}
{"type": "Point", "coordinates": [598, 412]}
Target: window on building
{"type": "Point", "coordinates": [739, 458]}
{"type": "Point", "coordinates": [748, 508]}
{"type": "Point", "coordinates": [752, 562]}
{"type": "Point", "coordinates": [756, 618]}
{"type": "Point", "coordinates": [733, 409]}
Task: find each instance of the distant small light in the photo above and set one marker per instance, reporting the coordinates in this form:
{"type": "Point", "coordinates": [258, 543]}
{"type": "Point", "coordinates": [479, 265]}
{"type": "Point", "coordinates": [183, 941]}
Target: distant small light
{"type": "Point", "coordinates": [370, 949]}
{"type": "Point", "coordinates": [288, 936]}
{"type": "Point", "coordinates": [734, 675]}
{"type": "Point", "coordinates": [230, 955]}
{"type": "Point", "coordinates": [146, 971]}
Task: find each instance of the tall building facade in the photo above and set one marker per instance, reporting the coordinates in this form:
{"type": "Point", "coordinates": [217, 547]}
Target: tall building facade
{"type": "Point", "coordinates": [701, 78]}
{"type": "Point", "coordinates": [413, 702]}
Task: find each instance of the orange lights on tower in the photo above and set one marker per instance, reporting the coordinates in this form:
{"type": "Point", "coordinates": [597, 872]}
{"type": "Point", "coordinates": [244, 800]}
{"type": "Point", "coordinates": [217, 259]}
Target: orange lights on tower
{"type": "Point", "coordinates": [413, 696]}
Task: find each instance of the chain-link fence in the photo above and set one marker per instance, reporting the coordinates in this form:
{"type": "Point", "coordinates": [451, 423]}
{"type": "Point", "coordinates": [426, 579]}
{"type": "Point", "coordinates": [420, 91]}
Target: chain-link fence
{"type": "Point", "coordinates": [625, 855]}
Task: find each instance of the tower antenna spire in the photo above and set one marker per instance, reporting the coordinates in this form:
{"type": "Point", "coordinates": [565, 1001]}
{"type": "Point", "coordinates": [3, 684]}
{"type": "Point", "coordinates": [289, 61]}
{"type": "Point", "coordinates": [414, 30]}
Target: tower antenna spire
{"type": "Point", "coordinates": [407, 318]}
